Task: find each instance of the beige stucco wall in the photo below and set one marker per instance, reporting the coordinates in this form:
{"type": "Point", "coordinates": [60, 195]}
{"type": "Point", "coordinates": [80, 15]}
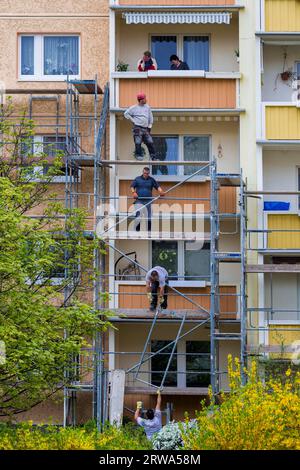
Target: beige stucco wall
{"type": "Point", "coordinates": [89, 20]}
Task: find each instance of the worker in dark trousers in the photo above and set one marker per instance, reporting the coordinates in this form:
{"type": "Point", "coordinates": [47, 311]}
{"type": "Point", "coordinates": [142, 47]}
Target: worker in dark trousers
{"type": "Point", "coordinates": [142, 119]}
{"type": "Point", "coordinates": [157, 287]}
{"type": "Point", "coordinates": [141, 188]}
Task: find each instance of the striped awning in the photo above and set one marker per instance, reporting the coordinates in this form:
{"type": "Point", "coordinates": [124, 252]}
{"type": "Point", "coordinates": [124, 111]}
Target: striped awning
{"type": "Point", "coordinates": [176, 18]}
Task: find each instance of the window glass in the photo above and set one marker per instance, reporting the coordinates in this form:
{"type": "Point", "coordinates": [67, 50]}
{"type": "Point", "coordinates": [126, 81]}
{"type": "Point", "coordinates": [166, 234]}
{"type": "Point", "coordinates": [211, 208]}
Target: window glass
{"type": "Point", "coordinates": [197, 361]}
{"type": "Point", "coordinates": [162, 47]}
{"type": "Point", "coordinates": [165, 254]}
{"type": "Point", "coordinates": [196, 52]}
{"type": "Point", "coordinates": [166, 148]}
{"type": "Point", "coordinates": [196, 148]}
{"type": "Point", "coordinates": [159, 364]}
{"type": "Point", "coordinates": [53, 144]}
{"type": "Point", "coordinates": [27, 55]}
{"type": "Point", "coordinates": [61, 55]}
{"type": "Point", "coordinates": [196, 260]}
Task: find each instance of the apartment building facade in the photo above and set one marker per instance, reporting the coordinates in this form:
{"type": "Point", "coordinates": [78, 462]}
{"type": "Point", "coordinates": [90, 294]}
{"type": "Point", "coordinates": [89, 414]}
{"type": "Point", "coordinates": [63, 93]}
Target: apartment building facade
{"type": "Point", "coordinates": [232, 108]}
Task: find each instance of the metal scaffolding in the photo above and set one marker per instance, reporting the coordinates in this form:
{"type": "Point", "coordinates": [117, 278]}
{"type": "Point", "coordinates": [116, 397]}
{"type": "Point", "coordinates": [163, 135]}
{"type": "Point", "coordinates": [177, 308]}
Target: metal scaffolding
{"type": "Point", "coordinates": [75, 159]}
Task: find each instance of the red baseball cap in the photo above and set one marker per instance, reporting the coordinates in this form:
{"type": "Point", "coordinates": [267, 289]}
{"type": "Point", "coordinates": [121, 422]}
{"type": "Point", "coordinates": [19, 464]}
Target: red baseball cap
{"type": "Point", "coordinates": [141, 96]}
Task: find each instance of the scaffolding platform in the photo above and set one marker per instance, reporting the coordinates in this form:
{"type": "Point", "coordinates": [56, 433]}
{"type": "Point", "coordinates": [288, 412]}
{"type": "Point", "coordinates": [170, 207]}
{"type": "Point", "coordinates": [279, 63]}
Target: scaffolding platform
{"type": "Point", "coordinates": [86, 87]}
{"type": "Point", "coordinates": [165, 314]}
{"type": "Point", "coordinates": [273, 268]}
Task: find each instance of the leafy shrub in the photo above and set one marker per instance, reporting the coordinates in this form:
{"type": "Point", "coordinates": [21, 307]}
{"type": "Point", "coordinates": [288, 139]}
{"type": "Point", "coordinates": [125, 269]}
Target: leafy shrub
{"type": "Point", "coordinates": [28, 437]}
{"type": "Point", "coordinates": [257, 416]}
{"type": "Point", "coordinates": [170, 436]}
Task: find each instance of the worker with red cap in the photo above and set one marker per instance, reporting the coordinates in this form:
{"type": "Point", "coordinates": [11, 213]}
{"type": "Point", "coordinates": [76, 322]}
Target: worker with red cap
{"type": "Point", "coordinates": [141, 117]}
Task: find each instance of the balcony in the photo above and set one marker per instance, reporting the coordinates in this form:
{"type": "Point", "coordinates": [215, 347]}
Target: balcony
{"type": "Point", "coordinates": [206, 41]}
{"type": "Point", "coordinates": [133, 302]}
{"type": "Point", "coordinates": [179, 90]}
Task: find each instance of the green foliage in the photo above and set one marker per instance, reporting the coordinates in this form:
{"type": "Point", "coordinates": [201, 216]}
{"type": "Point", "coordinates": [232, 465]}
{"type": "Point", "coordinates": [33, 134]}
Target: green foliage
{"type": "Point", "coordinates": [36, 309]}
{"type": "Point", "coordinates": [28, 437]}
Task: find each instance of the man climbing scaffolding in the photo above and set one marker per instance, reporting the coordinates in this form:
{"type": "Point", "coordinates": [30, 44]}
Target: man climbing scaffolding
{"type": "Point", "coordinates": [152, 423]}
{"type": "Point", "coordinates": [142, 118]}
{"type": "Point", "coordinates": [157, 287]}
{"type": "Point", "coordinates": [141, 188]}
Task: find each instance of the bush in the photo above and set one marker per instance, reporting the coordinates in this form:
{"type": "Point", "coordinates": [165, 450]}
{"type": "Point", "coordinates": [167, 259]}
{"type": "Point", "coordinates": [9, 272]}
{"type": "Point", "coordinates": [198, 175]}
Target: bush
{"type": "Point", "coordinates": [170, 436]}
{"type": "Point", "coordinates": [257, 416]}
{"type": "Point", "coordinates": [28, 437]}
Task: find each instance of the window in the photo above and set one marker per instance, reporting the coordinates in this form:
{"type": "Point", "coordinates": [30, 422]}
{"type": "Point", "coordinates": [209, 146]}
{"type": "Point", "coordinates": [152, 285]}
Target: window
{"type": "Point", "coordinates": [165, 254]}
{"type": "Point", "coordinates": [166, 148]}
{"type": "Point", "coordinates": [49, 57]}
{"type": "Point", "coordinates": [194, 50]}
{"type": "Point", "coordinates": [181, 148]}
{"type": "Point", "coordinates": [162, 47]}
{"type": "Point", "coordinates": [197, 362]}
{"type": "Point", "coordinates": [190, 365]}
{"type": "Point", "coordinates": [52, 145]}
{"type": "Point", "coordinates": [159, 364]}
{"type": "Point", "coordinates": [189, 261]}
{"type": "Point", "coordinates": [196, 148]}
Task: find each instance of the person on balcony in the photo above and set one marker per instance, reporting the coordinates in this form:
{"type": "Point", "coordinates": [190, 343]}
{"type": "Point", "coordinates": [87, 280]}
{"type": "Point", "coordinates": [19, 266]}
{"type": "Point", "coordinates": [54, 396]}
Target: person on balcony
{"type": "Point", "coordinates": [177, 64]}
{"type": "Point", "coordinates": [141, 188]}
{"type": "Point", "coordinates": [157, 287]}
{"type": "Point", "coordinates": [147, 62]}
{"type": "Point", "coordinates": [141, 117]}
{"type": "Point", "coordinates": [152, 424]}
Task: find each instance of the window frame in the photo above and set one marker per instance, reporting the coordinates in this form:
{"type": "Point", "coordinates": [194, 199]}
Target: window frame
{"type": "Point", "coordinates": [180, 44]}
{"type": "Point", "coordinates": [181, 263]}
{"type": "Point", "coordinates": [181, 369]}
{"type": "Point", "coordinates": [38, 62]}
{"type": "Point", "coordinates": [180, 168]}
{"type": "Point", "coordinates": [38, 143]}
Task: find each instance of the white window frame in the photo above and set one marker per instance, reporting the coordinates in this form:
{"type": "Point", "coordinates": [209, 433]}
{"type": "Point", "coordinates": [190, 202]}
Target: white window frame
{"type": "Point", "coordinates": [38, 141]}
{"type": "Point", "coordinates": [180, 42]}
{"type": "Point", "coordinates": [39, 59]}
{"type": "Point", "coordinates": [180, 266]}
{"type": "Point", "coordinates": [180, 169]}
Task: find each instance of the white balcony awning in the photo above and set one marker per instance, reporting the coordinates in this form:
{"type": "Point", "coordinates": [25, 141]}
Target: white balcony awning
{"type": "Point", "coordinates": [176, 18]}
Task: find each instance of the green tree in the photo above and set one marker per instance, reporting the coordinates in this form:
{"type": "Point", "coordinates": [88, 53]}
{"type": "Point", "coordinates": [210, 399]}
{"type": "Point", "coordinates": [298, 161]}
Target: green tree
{"type": "Point", "coordinates": [43, 323]}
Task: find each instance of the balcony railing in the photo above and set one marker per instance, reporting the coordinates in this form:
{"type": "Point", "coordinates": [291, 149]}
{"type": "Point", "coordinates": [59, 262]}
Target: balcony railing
{"type": "Point", "coordinates": [179, 90]}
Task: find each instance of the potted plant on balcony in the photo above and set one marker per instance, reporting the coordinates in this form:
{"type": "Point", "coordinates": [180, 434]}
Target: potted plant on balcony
{"type": "Point", "coordinates": [122, 67]}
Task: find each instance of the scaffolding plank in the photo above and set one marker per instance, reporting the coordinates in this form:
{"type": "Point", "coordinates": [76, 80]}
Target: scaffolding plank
{"type": "Point", "coordinates": [273, 268]}
{"type": "Point", "coordinates": [145, 313]}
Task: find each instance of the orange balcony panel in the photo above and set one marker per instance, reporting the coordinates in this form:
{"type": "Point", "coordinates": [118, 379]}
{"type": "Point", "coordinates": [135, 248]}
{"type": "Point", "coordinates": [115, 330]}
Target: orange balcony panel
{"type": "Point", "coordinates": [180, 93]}
{"type": "Point", "coordinates": [178, 2]}
{"type": "Point", "coordinates": [190, 190]}
{"type": "Point", "coordinates": [228, 303]}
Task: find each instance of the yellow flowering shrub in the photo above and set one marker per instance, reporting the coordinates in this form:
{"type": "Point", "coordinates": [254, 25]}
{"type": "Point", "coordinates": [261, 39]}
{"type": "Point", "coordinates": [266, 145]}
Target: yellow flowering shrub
{"type": "Point", "coordinates": [28, 437]}
{"type": "Point", "coordinates": [257, 416]}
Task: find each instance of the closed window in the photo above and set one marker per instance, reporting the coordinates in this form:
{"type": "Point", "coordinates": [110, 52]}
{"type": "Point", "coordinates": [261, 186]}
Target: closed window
{"type": "Point", "coordinates": [189, 261]}
{"type": "Point", "coordinates": [49, 57]}
{"type": "Point", "coordinates": [162, 47]}
{"type": "Point", "coordinates": [192, 49]}
{"type": "Point", "coordinates": [159, 364]}
{"type": "Point", "coordinates": [166, 148]}
{"type": "Point", "coordinates": [197, 363]}
{"type": "Point", "coordinates": [181, 148]}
